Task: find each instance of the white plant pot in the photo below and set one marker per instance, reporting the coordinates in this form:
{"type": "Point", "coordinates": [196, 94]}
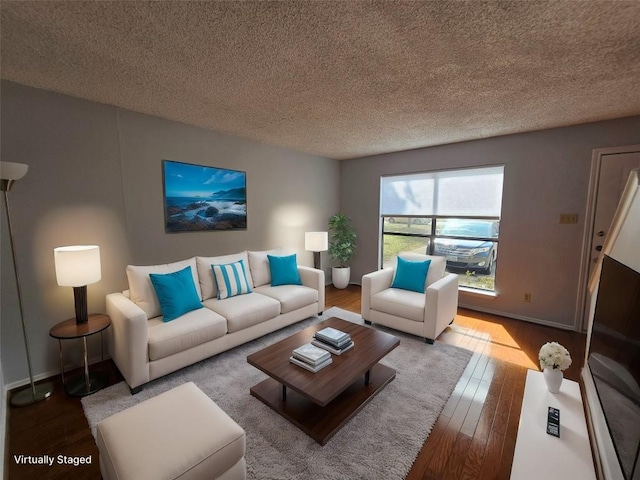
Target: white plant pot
{"type": "Point", "coordinates": [340, 276]}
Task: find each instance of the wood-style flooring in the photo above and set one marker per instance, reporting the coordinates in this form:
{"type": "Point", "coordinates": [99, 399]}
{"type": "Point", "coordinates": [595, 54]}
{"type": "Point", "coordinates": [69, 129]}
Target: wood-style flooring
{"type": "Point", "coordinates": [474, 437]}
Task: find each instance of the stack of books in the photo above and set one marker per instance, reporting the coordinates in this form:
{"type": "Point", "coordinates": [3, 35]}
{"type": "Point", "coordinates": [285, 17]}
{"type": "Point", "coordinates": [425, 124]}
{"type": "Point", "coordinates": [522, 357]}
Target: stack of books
{"type": "Point", "coordinates": [310, 357]}
{"type": "Point", "coordinates": [333, 340]}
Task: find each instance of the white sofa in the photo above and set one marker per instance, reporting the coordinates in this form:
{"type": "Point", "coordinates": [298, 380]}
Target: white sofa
{"type": "Point", "coordinates": [144, 347]}
{"type": "Point", "coordinates": [423, 314]}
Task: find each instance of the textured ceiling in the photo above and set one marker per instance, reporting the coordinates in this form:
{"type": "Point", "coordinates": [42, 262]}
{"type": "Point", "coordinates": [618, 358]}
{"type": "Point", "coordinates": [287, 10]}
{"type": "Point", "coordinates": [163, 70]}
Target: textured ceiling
{"type": "Point", "coordinates": [337, 79]}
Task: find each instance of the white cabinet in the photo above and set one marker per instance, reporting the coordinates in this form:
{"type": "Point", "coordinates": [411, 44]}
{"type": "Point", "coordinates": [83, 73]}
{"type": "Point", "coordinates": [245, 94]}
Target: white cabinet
{"type": "Point", "coordinates": [540, 455]}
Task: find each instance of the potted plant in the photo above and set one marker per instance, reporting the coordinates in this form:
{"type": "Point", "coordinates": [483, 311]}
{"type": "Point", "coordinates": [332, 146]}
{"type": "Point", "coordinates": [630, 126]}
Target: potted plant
{"type": "Point", "coordinates": [342, 247]}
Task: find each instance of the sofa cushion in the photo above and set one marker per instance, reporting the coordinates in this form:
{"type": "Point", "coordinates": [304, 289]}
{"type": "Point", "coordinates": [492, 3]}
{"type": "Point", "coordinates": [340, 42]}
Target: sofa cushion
{"type": "Point", "coordinates": [231, 279]}
{"type": "Point", "coordinates": [411, 274]}
{"type": "Point", "coordinates": [205, 273]}
{"type": "Point", "coordinates": [259, 266]}
{"type": "Point", "coordinates": [244, 311]}
{"type": "Point", "coordinates": [142, 291]}
{"type": "Point", "coordinates": [291, 297]}
{"type": "Point", "coordinates": [402, 303]}
{"type": "Point", "coordinates": [436, 269]}
{"type": "Point", "coordinates": [191, 329]}
{"type": "Point", "coordinates": [284, 270]}
{"type": "Point", "coordinates": [176, 293]}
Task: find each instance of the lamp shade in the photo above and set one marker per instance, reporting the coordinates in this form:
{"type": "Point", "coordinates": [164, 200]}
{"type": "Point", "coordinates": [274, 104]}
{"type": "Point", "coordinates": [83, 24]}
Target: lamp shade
{"type": "Point", "coordinates": [78, 265]}
{"type": "Point", "coordinates": [12, 171]}
{"type": "Point", "coordinates": [316, 241]}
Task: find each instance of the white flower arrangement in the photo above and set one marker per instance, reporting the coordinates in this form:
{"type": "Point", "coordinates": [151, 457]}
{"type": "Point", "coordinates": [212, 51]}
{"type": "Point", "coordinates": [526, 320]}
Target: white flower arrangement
{"type": "Point", "coordinates": [554, 355]}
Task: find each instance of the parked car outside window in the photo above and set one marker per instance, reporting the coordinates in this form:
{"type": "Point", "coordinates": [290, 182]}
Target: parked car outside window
{"type": "Point", "coordinates": [475, 254]}
{"type": "Point", "coordinates": [408, 220]}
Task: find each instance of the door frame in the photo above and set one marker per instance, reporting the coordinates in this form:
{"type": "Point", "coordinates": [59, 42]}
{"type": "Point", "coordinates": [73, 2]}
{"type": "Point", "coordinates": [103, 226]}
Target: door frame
{"type": "Point", "coordinates": [597, 156]}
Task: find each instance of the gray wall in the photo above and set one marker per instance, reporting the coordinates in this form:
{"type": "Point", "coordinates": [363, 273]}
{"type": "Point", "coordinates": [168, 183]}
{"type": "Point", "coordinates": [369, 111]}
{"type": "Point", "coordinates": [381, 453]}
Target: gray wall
{"type": "Point", "coordinates": [546, 173]}
{"type": "Point", "coordinates": [95, 177]}
{"type": "Point", "coordinates": [288, 192]}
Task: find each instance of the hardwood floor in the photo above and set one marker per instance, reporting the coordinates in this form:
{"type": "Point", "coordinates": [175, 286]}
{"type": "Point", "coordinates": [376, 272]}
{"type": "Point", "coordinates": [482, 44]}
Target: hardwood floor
{"type": "Point", "coordinates": [474, 437]}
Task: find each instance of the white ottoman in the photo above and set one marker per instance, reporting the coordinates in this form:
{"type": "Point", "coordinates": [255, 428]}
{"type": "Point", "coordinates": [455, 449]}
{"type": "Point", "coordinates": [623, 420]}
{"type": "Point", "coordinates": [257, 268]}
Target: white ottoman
{"type": "Point", "coordinates": [180, 434]}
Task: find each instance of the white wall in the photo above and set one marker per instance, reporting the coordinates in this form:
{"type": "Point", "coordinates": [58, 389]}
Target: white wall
{"type": "Point", "coordinates": [95, 177]}
{"type": "Point", "coordinates": [546, 174]}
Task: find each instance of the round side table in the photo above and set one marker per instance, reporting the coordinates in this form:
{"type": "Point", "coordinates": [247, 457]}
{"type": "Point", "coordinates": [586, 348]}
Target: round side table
{"type": "Point", "coordinates": [82, 385]}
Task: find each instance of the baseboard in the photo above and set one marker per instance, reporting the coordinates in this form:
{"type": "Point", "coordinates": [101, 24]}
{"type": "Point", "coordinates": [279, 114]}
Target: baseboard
{"type": "Point", "coordinates": [517, 317]}
{"type": "Point", "coordinates": [511, 315]}
{"type": "Point", "coordinates": [50, 373]}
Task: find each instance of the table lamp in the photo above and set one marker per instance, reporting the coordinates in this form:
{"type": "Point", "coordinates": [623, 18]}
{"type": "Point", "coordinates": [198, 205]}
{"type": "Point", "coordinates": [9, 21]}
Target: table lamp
{"type": "Point", "coordinates": [78, 266]}
{"type": "Point", "coordinates": [316, 242]}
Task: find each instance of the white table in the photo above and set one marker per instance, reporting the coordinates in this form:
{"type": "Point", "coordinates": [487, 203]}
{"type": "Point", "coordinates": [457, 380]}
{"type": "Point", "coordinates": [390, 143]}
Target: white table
{"type": "Point", "coordinates": [540, 455]}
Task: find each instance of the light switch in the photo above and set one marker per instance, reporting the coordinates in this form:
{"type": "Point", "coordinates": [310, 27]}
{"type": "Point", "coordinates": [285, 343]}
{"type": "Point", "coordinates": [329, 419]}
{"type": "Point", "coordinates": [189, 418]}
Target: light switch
{"type": "Point", "coordinates": [568, 218]}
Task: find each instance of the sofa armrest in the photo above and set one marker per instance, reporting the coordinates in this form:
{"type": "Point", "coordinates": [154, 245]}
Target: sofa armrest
{"type": "Point", "coordinates": [313, 278]}
{"type": "Point", "coordinates": [441, 305]}
{"type": "Point", "coordinates": [373, 283]}
{"type": "Point", "coordinates": [129, 343]}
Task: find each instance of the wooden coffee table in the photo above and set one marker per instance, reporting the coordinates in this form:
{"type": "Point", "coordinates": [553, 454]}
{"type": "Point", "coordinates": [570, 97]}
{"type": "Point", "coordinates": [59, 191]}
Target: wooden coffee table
{"type": "Point", "coordinates": [321, 403]}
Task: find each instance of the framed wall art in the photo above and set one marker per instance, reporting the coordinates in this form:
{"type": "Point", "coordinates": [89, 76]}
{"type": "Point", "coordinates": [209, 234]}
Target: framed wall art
{"type": "Point", "coordinates": [201, 198]}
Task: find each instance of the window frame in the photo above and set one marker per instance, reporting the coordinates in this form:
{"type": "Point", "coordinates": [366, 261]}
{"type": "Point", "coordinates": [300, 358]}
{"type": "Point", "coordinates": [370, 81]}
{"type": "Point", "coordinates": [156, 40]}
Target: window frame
{"type": "Point", "coordinates": [436, 209]}
{"type": "Point", "coordinates": [433, 235]}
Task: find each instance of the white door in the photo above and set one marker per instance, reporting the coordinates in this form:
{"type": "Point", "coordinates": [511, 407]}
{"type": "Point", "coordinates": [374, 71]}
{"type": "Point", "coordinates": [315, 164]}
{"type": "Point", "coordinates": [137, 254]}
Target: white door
{"type": "Point", "coordinates": [614, 172]}
{"type": "Point", "coordinates": [612, 178]}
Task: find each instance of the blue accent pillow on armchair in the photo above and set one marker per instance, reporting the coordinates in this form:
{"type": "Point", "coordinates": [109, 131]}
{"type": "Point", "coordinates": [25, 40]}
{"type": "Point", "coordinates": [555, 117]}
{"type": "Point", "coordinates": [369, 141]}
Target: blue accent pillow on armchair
{"type": "Point", "coordinates": [176, 293]}
{"type": "Point", "coordinates": [284, 270]}
{"type": "Point", "coordinates": [411, 275]}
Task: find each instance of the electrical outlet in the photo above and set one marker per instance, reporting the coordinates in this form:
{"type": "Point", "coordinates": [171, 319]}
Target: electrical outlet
{"type": "Point", "coordinates": [527, 297]}
{"type": "Point", "coordinates": [568, 218]}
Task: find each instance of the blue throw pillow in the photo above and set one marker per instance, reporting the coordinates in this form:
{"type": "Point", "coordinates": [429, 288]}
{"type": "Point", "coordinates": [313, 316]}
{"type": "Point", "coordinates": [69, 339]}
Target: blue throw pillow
{"type": "Point", "coordinates": [284, 270]}
{"type": "Point", "coordinates": [411, 275]}
{"type": "Point", "coordinates": [176, 293]}
{"type": "Point", "coordinates": [231, 279]}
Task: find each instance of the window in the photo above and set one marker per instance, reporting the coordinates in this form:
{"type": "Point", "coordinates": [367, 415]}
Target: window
{"type": "Point", "coordinates": [452, 213]}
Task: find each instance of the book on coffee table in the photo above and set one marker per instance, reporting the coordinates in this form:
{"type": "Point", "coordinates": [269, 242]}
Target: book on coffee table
{"type": "Point", "coordinates": [311, 354]}
{"type": "Point", "coordinates": [331, 348]}
{"type": "Point", "coordinates": [333, 337]}
{"type": "Point", "coordinates": [311, 368]}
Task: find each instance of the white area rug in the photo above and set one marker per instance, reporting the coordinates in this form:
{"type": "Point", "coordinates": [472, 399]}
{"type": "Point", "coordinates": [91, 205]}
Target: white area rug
{"type": "Point", "coordinates": [380, 442]}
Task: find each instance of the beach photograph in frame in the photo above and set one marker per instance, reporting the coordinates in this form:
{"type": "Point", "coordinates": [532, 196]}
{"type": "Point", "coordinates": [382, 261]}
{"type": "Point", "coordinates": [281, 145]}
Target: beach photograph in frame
{"type": "Point", "coordinates": [200, 198]}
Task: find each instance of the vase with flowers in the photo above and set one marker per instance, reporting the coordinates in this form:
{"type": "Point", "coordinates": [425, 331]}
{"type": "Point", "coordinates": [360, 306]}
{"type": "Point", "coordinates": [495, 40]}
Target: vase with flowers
{"type": "Point", "coordinates": [554, 359]}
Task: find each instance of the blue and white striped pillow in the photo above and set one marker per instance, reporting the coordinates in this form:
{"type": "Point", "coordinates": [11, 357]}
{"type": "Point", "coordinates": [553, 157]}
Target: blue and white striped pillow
{"type": "Point", "coordinates": [231, 279]}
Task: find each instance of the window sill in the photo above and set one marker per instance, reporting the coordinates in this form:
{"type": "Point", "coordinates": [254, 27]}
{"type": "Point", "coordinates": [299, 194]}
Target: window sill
{"type": "Point", "coordinates": [478, 293]}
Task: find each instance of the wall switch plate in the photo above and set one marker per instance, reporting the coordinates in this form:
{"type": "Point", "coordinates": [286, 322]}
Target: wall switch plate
{"type": "Point", "coordinates": [568, 218]}
{"type": "Point", "coordinates": [527, 297]}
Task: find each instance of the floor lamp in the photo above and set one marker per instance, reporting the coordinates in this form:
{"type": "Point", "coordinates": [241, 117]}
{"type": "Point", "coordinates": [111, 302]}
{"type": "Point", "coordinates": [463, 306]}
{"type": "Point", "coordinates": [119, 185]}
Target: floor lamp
{"type": "Point", "coordinates": [9, 173]}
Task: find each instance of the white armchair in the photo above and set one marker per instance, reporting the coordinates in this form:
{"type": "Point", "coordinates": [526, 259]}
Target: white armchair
{"type": "Point", "coordinates": [423, 314]}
